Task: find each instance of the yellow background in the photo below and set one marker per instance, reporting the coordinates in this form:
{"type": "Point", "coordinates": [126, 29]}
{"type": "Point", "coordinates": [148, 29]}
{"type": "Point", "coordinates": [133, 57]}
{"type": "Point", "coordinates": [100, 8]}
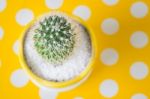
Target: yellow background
{"type": "Point", "coordinates": [120, 41]}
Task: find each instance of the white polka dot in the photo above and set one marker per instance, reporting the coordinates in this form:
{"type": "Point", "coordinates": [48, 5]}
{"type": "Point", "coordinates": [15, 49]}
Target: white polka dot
{"type": "Point", "coordinates": [79, 97]}
{"type": "Point", "coordinates": [83, 12]}
{"type": "Point", "coordinates": [109, 56]}
{"type": "Point", "coordinates": [139, 9]}
{"type": "Point", "coordinates": [139, 70]}
{"type": "Point", "coordinates": [109, 88]}
{"type": "Point", "coordinates": [19, 78]}
{"type": "Point", "coordinates": [48, 94]}
{"type": "Point", "coordinates": [24, 16]}
{"type": "Point", "coordinates": [16, 47]}
{"type": "Point", "coordinates": [139, 39]}
{"type": "Point", "coordinates": [2, 5]}
{"type": "Point", "coordinates": [139, 96]}
{"type": "Point", "coordinates": [1, 33]}
{"type": "Point", "coordinates": [110, 2]}
{"type": "Point", "coordinates": [110, 26]}
{"type": "Point", "coordinates": [54, 4]}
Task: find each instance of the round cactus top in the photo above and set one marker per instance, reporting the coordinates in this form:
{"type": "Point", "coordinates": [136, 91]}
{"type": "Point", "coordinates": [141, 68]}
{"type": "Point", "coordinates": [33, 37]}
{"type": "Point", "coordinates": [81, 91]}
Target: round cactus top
{"type": "Point", "coordinates": [54, 39]}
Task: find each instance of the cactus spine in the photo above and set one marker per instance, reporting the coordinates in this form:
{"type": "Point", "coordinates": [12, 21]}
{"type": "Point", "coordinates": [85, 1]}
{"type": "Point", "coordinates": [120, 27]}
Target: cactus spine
{"type": "Point", "coordinates": [54, 39]}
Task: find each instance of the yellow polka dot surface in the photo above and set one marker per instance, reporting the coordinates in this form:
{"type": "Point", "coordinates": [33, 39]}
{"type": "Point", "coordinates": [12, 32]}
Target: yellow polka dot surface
{"type": "Point", "coordinates": [122, 30]}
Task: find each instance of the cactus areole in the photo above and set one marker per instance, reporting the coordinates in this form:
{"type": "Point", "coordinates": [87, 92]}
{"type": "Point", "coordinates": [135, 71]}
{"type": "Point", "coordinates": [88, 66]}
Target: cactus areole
{"type": "Point", "coordinates": [54, 39]}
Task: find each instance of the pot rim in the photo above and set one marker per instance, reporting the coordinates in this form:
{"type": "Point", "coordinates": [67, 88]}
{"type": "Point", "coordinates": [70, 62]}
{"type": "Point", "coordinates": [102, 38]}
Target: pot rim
{"type": "Point", "coordinates": [53, 84]}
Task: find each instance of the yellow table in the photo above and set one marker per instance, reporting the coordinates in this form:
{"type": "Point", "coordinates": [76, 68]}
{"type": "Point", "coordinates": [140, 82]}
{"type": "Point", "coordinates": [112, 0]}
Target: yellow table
{"type": "Point", "coordinates": [122, 28]}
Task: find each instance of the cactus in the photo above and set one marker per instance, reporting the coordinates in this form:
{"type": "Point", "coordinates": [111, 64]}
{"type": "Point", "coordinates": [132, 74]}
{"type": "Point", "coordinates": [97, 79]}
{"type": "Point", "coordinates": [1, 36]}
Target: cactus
{"type": "Point", "coordinates": [54, 39]}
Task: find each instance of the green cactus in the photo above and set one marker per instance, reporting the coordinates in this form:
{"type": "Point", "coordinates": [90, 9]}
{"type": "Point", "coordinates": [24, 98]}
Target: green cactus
{"type": "Point", "coordinates": [54, 39]}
